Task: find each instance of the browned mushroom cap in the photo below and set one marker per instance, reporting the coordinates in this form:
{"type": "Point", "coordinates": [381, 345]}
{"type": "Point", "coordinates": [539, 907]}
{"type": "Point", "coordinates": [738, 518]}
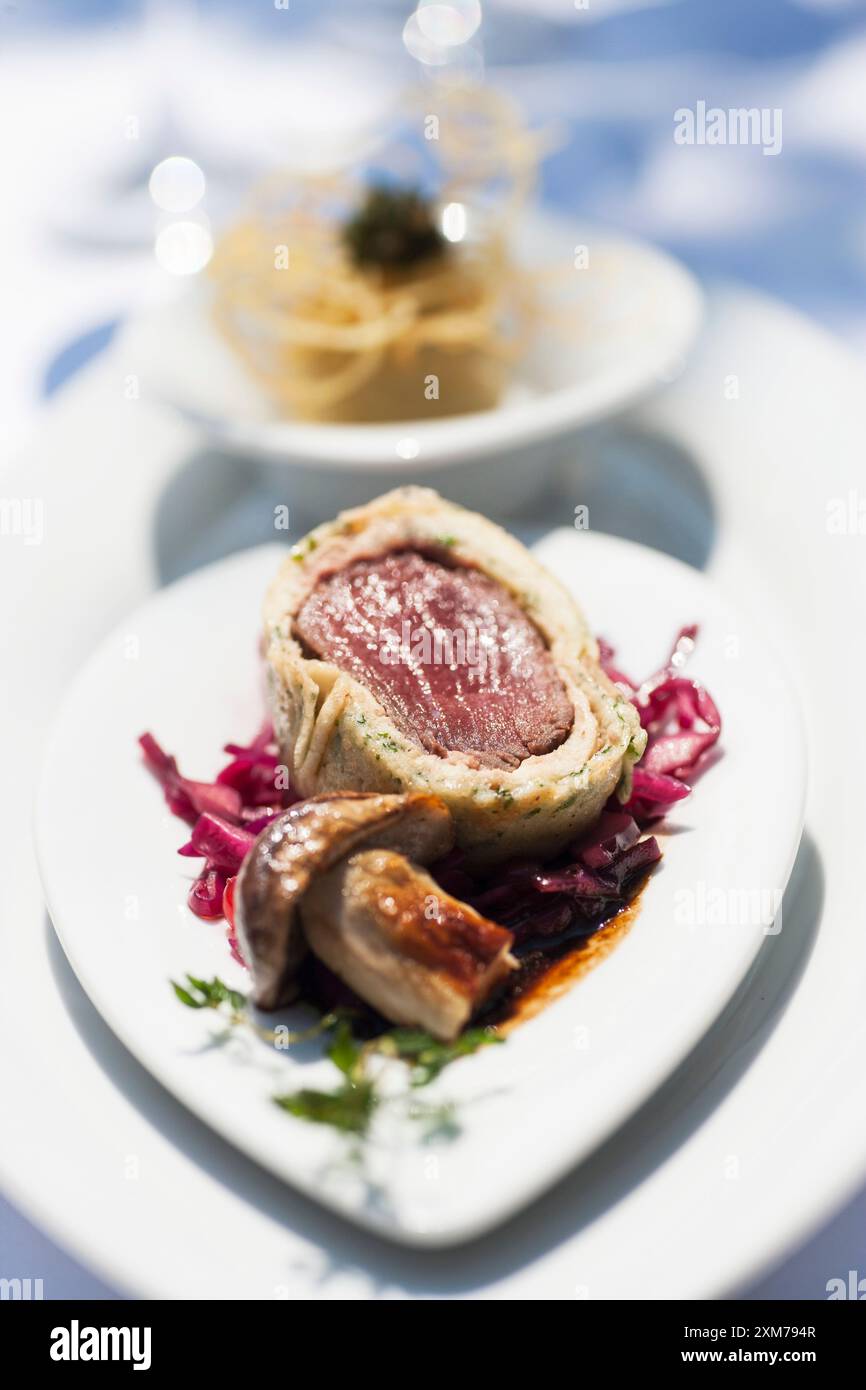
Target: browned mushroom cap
{"type": "Point", "coordinates": [307, 841]}
{"type": "Point", "coordinates": [415, 953]}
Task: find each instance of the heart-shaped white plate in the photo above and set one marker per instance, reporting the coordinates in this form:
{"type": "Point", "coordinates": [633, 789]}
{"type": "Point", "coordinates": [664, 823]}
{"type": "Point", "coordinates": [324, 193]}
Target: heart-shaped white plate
{"type": "Point", "coordinates": [184, 665]}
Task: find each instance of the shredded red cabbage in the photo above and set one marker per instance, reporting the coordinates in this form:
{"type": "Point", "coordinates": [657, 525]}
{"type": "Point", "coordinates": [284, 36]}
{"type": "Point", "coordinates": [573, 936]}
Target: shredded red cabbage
{"type": "Point", "coordinates": [226, 815]}
{"type": "Point", "coordinates": [187, 799]}
{"type": "Point", "coordinates": [220, 843]}
{"type": "Point", "coordinates": [576, 894]}
{"type": "Point", "coordinates": [682, 724]}
{"type": "Point", "coordinates": [587, 885]}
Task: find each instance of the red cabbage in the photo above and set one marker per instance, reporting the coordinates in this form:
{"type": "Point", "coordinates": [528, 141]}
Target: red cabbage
{"type": "Point", "coordinates": [219, 842]}
{"type": "Point", "coordinates": [206, 894]}
{"type": "Point", "coordinates": [185, 798]}
{"type": "Point", "coordinates": [575, 894]}
{"type": "Point", "coordinates": [682, 724]}
{"type": "Point", "coordinates": [606, 656]}
{"type": "Point", "coordinates": [614, 831]}
{"type": "Point", "coordinates": [225, 815]}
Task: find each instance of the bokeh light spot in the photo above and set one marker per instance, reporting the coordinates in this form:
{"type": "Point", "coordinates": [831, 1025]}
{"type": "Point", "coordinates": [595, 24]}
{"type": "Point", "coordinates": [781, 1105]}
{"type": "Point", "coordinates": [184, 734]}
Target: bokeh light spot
{"type": "Point", "coordinates": [448, 24]}
{"type": "Point", "coordinates": [177, 184]}
{"type": "Point", "coordinates": [184, 248]}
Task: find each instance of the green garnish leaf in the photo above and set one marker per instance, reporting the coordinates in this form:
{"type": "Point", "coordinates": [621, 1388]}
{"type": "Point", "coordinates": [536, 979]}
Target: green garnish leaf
{"type": "Point", "coordinates": [427, 1056]}
{"type": "Point", "coordinates": [350, 1108]}
{"type": "Point", "coordinates": [343, 1051]}
{"type": "Point", "coordinates": [186, 998]}
{"type": "Point", "coordinates": [208, 994]}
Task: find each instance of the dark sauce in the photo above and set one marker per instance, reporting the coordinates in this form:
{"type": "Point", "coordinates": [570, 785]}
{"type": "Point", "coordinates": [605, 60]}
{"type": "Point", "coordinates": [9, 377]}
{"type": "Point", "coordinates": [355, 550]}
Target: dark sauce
{"type": "Point", "coordinates": [549, 969]}
{"type": "Point", "coordinates": [549, 966]}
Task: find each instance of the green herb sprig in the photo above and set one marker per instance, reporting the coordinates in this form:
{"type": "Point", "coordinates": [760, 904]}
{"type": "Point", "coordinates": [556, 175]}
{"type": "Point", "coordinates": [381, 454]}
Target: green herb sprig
{"type": "Point", "coordinates": [426, 1056]}
{"type": "Point", "coordinates": [351, 1105]}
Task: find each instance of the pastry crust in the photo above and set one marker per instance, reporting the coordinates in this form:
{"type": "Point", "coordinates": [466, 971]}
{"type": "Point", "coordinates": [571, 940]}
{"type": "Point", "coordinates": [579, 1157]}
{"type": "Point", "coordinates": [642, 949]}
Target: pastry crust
{"type": "Point", "coordinates": [335, 736]}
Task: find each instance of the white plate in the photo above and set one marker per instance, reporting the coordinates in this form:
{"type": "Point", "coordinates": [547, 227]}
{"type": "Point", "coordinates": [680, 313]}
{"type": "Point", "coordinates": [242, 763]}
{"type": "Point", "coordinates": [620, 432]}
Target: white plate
{"type": "Point", "coordinates": [636, 312]}
{"type": "Point", "coordinates": [529, 1109]}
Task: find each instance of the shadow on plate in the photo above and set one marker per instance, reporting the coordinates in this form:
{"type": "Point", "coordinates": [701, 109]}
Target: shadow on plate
{"type": "Point", "coordinates": [626, 1159]}
{"type": "Point", "coordinates": [634, 485]}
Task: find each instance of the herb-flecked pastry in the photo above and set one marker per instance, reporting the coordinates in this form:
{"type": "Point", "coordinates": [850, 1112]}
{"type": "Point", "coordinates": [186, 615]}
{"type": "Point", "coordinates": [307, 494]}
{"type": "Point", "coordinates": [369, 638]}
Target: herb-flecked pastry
{"type": "Point", "coordinates": [414, 646]}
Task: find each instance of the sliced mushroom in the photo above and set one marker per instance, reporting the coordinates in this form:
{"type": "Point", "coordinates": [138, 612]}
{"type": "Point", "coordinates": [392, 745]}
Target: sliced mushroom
{"type": "Point", "coordinates": [411, 950]}
{"type": "Point", "coordinates": [305, 842]}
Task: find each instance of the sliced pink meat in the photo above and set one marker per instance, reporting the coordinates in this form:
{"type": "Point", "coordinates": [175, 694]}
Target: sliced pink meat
{"type": "Point", "coordinates": [449, 654]}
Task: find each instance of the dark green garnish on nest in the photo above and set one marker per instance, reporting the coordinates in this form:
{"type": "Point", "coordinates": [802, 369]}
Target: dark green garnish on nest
{"type": "Point", "coordinates": [394, 227]}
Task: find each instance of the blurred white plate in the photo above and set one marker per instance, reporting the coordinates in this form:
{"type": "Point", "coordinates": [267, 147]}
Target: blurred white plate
{"type": "Point", "coordinates": [563, 1081]}
{"type": "Point", "coordinates": [636, 310]}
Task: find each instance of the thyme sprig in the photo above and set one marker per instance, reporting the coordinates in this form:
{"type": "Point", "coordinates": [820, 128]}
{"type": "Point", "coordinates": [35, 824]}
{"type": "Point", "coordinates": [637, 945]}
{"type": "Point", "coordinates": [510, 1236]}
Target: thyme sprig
{"type": "Point", "coordinates": [214, 994]}
{"type": "Point", "coordinates": [351, 1105]}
